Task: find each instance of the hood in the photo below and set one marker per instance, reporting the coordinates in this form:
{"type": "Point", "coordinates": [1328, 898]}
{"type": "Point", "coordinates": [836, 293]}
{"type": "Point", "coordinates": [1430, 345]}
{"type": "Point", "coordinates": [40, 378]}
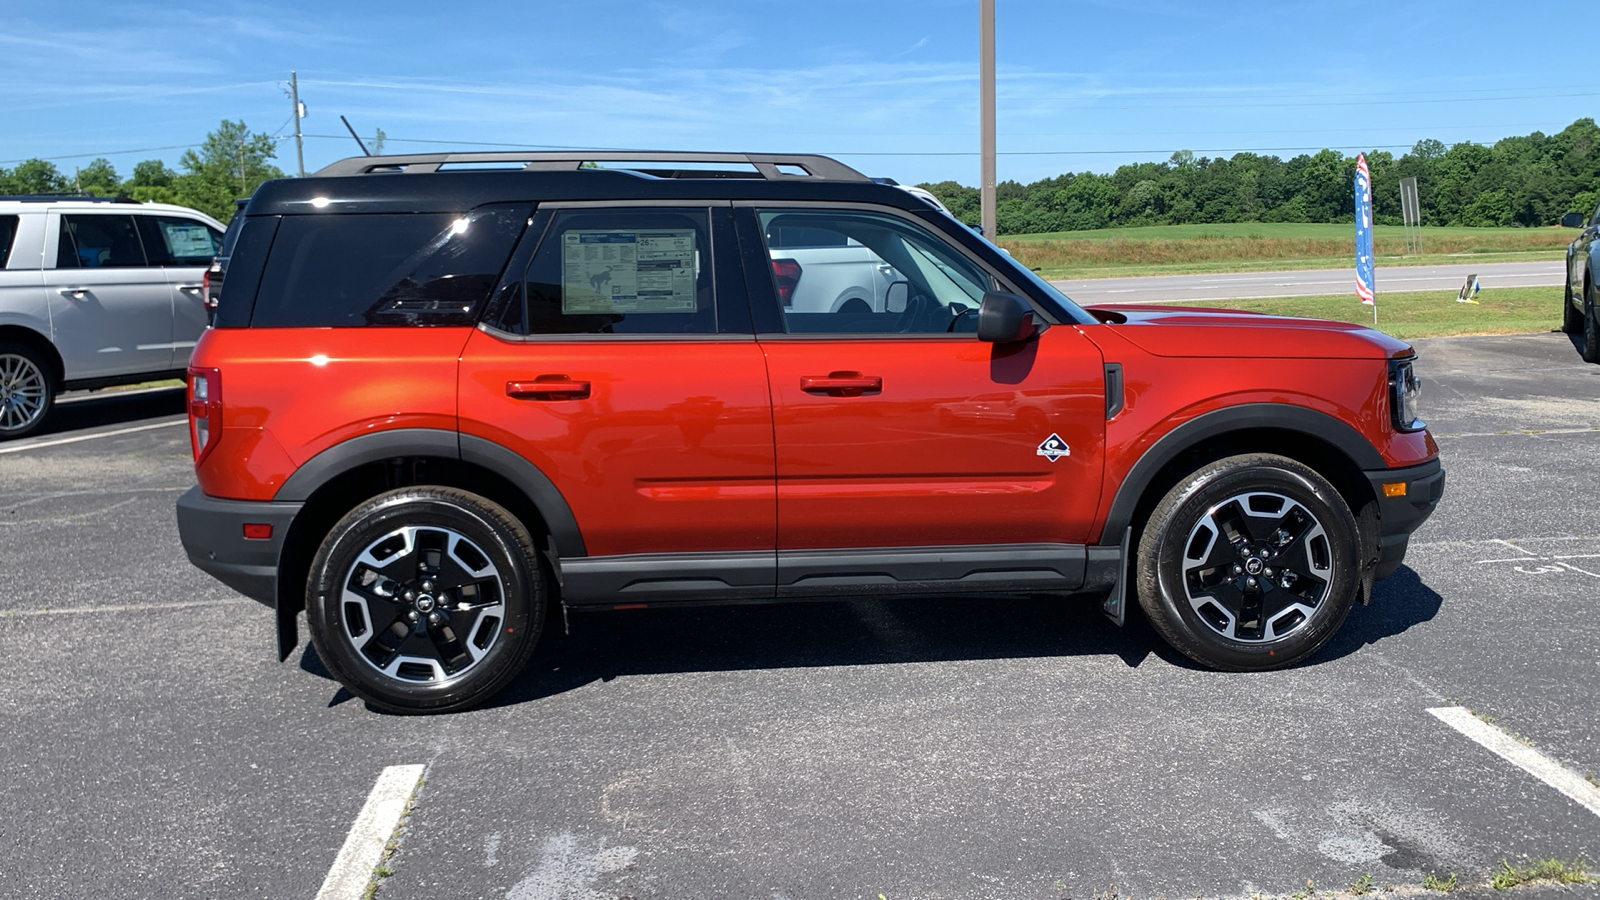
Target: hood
{"type": "Point", "coordinates": [1188, 331]}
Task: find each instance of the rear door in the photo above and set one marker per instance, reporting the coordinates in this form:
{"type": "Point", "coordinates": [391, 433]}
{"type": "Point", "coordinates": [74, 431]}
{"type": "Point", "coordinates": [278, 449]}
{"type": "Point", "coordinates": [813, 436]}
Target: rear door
{"type": "Point", "coordinates": [619, 361]}
{"type": "Point", "coordinates": [183, 247]}
{"type": "Point", "coordinates": [110, 310]}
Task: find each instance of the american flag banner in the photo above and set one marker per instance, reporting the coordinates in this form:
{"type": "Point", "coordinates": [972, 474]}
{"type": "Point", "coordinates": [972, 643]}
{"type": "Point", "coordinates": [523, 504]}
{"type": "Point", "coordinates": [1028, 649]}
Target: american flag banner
{"type": "Point", "coordinates": [1364, 283]}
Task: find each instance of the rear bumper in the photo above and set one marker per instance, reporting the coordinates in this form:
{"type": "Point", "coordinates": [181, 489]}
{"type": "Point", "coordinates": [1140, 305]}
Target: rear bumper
{"type": "Point", "coordinates": [212, 532]}
{"type": "Point", "coordinates": [1400, 515]}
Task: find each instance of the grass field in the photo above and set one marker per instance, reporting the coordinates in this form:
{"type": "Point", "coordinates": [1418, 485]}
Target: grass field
{"type": "Point", "coordinates": [1425, 313]}
{"type": "Point", "coordinates": [1254, 246]}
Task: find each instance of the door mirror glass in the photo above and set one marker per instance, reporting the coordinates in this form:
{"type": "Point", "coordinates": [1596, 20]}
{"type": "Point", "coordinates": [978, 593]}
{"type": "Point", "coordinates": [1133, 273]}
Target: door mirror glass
{"type": "Point", "coordinates": [1572, 220]}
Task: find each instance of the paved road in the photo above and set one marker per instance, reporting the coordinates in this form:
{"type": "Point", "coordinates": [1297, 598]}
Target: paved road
{"type": "Point", "coordinates": [1310, 283]}
{"type": "Point", "coordinates": [958, 748]}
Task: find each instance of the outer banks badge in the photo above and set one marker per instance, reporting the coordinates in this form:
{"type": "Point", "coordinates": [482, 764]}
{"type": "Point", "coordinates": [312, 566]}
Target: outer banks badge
{"type": "Point", "coordinates": [1053, 448]}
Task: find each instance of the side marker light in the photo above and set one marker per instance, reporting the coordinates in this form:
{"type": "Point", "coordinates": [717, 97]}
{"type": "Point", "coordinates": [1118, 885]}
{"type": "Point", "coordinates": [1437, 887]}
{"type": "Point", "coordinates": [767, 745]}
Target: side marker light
{"type": "Point", "coordinates": [1394, 489]}
{"type": "Point", "coordinates": [258, 532]}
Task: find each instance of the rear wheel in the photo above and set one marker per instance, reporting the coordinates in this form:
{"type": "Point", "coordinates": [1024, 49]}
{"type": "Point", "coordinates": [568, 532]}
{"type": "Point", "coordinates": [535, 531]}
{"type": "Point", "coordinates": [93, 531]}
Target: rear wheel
{"type": "Point", "coordinates": [1250, 563]}
{"type": "Point", "coordinates": [26, 392]}
{"type": "Point", "coordinates": [426, 599]}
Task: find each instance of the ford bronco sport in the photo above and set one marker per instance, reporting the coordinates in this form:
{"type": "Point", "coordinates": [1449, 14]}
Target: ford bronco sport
{"type": "Point", "coordinates": [447, 394]}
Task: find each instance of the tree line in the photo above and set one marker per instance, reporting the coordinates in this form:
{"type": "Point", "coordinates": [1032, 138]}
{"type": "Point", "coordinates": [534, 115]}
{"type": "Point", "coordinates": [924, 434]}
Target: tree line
{"type": "Point", "coordinates": [1519, 181]}
{"type": "Point", "coordinates": [1528, 181]}
{"type": "Point", "coordinates": [231, 163]}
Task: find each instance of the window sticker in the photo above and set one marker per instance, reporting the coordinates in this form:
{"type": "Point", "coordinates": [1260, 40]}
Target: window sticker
{"type": "Point", "coordinates": [188, 240]}
{"type": "Point", "coordinates": [606, 271]}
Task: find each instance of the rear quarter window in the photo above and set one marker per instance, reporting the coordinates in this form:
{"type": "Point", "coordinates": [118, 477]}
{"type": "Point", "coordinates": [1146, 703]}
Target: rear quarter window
{"type": "Point", "coordinates": [351, 270]}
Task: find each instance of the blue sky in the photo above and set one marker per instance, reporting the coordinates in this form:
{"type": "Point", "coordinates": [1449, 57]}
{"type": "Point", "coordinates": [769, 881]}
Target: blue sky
{"type": "Point", "coordinates": [889, 86]}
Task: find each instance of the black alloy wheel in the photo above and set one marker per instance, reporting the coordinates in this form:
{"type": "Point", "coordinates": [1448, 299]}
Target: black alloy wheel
{"type": "Point", "coordinates": [426, 599]}
{"type": "Point", "coordinates": [26, 391]}
{"type": "Point", "coordinates": [1252, 562]}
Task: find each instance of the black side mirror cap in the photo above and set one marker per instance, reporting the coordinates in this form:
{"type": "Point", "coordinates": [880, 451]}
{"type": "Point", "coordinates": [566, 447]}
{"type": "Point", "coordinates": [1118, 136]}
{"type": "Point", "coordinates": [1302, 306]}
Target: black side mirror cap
{"type": "Point", "coordinates": [1573, 220]}
{"type": "Point", "coordinates": [1005, 319]}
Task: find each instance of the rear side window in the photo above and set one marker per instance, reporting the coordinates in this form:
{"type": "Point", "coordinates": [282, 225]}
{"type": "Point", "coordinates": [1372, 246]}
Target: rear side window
{"type": "Point", "coordinates": [175, 241]}
{"type": "Point", "coordinates": [385, 269]}
{"type": "Point", "coordinates": [623, 271]}
{"type": "Point", "coordinates": [8, 233]}
{"type": "Point", "coordinates": [99, 242]}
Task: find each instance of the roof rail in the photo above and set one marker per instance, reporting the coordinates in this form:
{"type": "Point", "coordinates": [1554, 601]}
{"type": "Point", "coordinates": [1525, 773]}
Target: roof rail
{"type": "Point", "coordinates": [52, 198]}
{"type": "Point", "coordinates": [768, 165]}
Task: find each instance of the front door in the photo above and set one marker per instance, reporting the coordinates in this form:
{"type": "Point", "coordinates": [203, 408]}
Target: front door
{"type": "Point", "coordinates": [901, 429]}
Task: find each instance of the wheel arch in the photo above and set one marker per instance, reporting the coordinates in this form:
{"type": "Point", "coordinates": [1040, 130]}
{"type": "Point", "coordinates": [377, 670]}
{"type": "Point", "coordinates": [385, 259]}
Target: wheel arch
{"type": "Point", "coordinates": [1334, 449]}
{"type": "Point", "coordinates": [32, 339]}
{"type": "Point", "coordinates": [341, 477]}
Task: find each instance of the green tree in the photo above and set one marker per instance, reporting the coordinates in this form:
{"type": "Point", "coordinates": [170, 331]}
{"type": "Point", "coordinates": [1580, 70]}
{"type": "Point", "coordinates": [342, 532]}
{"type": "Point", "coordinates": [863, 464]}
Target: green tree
{"type": "Point", "coordinates": [35, 176]}
{"type": "Point", "coordinates": [231, 163]}
{"type": "Point", "coordinates": [98, 178]}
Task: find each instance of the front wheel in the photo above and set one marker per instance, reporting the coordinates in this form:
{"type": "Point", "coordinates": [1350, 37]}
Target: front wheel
{"type": "Point", "coordinates": [1591, 328]}
{"type": "Point", "coordinates": [1250, 563]}
{"type": "Point", "coordinates": [26, 392]}
{"type": "Point", "coordinates": [426, 599]}
{"type": "Point", "coordinates": [1571, 315]}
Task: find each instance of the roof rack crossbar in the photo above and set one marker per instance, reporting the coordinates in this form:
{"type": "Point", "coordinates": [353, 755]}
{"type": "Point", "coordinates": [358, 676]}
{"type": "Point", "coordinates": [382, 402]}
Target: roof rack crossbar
{"type": "Point", "coordinates": [769, 165]}
{"type": "Point", "coordinates": [53, 198]}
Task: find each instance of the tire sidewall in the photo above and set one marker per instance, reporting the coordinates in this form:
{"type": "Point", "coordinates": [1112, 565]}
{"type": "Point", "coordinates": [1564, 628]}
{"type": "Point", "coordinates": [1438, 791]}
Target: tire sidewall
{"type": "Point", "coordinates": [486, 524]}
{"type": "Point", "coordinates": [39, 363]}
{"type": "Point", "coordinates": [1161, 580]}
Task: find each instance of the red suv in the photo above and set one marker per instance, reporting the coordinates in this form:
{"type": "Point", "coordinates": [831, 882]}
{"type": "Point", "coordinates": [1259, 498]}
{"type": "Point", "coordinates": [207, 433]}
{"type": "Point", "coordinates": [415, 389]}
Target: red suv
{"type": "Point", "coordinates": [445, 393]}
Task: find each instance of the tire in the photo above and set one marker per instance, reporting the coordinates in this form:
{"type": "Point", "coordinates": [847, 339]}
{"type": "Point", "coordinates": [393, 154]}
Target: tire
{"type": "Point", "coordinates": [27, 393]}
{"type": "Point", "coordinates": [1591, 327]}
{"type": "Point", "coordinates": [426, 599]}
{"type": "Point", "coordinates": [1206, 573]}
{"type": "Point", "coordinates": [1571, 315]}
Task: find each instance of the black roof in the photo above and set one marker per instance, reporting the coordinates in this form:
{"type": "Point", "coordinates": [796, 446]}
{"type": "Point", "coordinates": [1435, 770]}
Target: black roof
{"type": "Point", "coordinates": [453, 182]}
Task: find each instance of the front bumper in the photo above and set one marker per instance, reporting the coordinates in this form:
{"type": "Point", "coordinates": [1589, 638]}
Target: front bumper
{"type": "Point", "coordinates": [1398, 516]}
{"type": "Point", "coordinates": [212, 532]}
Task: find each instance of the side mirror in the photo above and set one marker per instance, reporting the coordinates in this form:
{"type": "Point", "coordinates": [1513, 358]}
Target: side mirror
{"type": "Point", "coordinates": [894, 300]}
{"type": "Point", "coordinates": [1573, 220]}
{"type": "Point", "coordinates": [1005, 319]}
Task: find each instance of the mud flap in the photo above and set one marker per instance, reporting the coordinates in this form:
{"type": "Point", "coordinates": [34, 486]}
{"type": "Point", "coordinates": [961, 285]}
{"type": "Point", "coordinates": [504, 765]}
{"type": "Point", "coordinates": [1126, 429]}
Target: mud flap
{"type": "Point", "coordinates": [1115, 605]}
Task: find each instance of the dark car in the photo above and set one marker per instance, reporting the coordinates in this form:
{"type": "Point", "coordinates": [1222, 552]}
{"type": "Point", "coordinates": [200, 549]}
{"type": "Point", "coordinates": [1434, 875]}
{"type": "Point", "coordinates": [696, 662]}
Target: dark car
{"type": "Point", "coordinates": [1578, 314]}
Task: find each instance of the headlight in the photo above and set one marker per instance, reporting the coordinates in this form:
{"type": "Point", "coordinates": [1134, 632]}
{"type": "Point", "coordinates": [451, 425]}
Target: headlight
{"type": "Point", "coordinates": [1404, 389]}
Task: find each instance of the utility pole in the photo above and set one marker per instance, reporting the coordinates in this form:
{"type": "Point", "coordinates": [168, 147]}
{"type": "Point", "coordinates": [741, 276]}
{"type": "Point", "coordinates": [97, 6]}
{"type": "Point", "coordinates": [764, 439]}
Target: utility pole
{"type": "Point", "coordinates": [986, 114]}
{"type": "Point", "coordinates": [299, 113]}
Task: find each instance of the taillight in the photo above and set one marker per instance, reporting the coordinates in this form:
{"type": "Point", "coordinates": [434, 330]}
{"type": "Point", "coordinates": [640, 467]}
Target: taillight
{"type": "Point", "coordinates": [786, 272]}
{"type": "Point", "coordinates": [205, 410]}
{"type": "Point", "coordinates": [205, 290]}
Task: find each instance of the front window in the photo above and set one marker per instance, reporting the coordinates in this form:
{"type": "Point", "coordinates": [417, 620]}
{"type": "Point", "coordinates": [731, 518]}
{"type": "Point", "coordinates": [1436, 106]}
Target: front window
{"type": "Point", "coordinates": [848, 271]}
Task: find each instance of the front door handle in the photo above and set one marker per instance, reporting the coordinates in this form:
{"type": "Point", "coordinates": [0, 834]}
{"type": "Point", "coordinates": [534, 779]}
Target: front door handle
{"type": "Point", "coordinates": [841, 384]}
{"type": "Point", "coordinates": [548, 387]}
{"type": "Point", "coordinates": [74, 293]}
{"type": "Point", "coordinates": [190, 288]}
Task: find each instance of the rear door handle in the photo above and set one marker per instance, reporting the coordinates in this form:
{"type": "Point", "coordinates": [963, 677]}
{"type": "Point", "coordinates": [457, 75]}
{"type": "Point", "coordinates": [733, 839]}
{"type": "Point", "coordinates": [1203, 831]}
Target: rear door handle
{"type": "Point", "coordinates": [548, 387]}
{"type": "Point", "coordinates": [74, 293]}
{"type": "Point", "coordinates": [191, 288]}
{"type": "Point", "coordinates": [841, 384]}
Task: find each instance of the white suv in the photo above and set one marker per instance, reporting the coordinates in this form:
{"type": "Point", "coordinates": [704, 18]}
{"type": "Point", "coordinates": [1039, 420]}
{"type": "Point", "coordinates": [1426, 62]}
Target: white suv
{"type": "Point", "coordinates": [93, 293]}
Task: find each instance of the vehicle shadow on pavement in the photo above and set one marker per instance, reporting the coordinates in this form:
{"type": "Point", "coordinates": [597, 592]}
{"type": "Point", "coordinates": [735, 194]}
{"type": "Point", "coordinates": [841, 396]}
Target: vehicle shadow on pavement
{"type": "Point", "coordinates": [822, 634]}
{"type": "Point", "coordinates": [1398, 602]}
{"type": "Point", "coordinates": [601, 647]}
{"type": "Point", "coordinates": [79, 412]}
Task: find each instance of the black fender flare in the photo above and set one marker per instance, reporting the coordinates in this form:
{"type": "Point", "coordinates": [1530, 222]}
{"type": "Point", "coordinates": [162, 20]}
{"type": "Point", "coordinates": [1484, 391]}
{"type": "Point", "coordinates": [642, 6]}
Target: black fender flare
{"type": "Point", "coordinates": [381, 445]}
{"type": "Point", "coordinates": [1248, 416]}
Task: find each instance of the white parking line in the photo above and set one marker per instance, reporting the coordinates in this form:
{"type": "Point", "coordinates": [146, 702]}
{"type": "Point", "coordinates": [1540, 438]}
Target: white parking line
{"type": "Point", "coordinates": [18, 448]}
{"type": "Point", "coordinates": [363, 848]}
{"type": "Point", "coordinates": [1521, 755]}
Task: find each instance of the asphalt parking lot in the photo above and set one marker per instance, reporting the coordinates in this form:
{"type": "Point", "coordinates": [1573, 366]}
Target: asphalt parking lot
{"type": "Point", "coordinates": [954, 749]}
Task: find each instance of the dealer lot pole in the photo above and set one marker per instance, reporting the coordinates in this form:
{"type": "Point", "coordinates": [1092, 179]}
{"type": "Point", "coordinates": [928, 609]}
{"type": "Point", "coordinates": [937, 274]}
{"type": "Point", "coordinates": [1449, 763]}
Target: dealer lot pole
{"type": "Point", "coordinates": [986, 113]}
